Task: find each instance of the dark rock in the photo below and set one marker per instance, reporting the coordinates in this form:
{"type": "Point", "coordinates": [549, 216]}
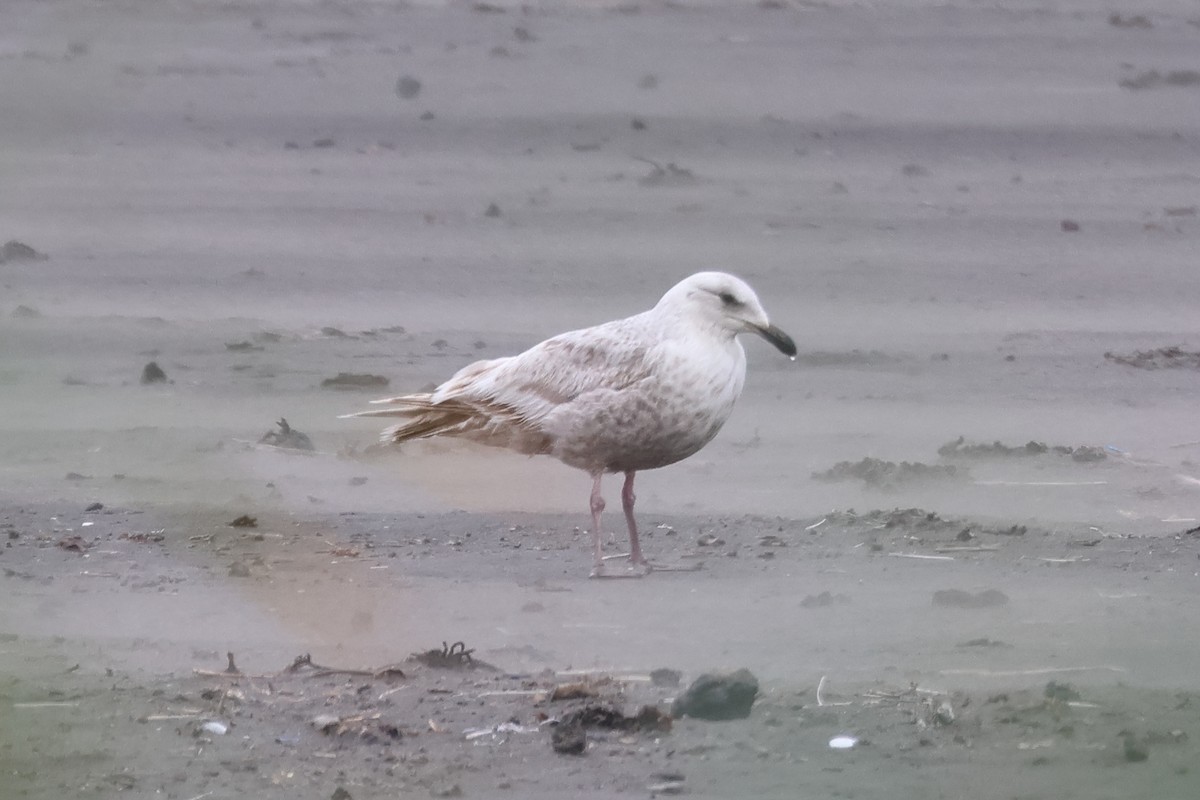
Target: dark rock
{"type": "Point", "coordinates": [1134, 750]}
{"type": "Point", "coordinates": [340, 794]}
{"type": "Point", "coordinates": [492, 211]}
{"type": "Point", "coordinates": [244, 521]}
{"type": "Point", "coordinates": [153, 373]}
{"type": "Point", "coordinates": [19, 251]}
{"type": "Point", "coordinates": [407, 87]}
{"type": "Point", "coordinates": [718, 696]}
{"type": "Point", "coordinates": [1069, 226]}
{"type": "Point", "coordinates": [95, 507]}
{"type": "Point", "coordinates": [25, 312]}
{"type": "Point", "coordinates": [569, 738]}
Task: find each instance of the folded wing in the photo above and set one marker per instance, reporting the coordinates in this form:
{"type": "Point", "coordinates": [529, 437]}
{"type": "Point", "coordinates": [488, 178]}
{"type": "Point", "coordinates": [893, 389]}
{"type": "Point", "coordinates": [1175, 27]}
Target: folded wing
{"type": "Point", "coordinates": [505, 402]}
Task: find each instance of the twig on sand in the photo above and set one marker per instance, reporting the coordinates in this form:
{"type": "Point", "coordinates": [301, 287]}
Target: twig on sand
{"type": "Point", "coordinates": [165, 717]}
{"type": "Point", "coordinates": [820, 700]}
{"type": "Point", "coordinates": [983, 548]}
{"type": "Point", "coordinates": [1186, 444]}
{"type": "Point", "coordinates": [301, 664]}
{"type": "Point", "coordinates": [919, 555]}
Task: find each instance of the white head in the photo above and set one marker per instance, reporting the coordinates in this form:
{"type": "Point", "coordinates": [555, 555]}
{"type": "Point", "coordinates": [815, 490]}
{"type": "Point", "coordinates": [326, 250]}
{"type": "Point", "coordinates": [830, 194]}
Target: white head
{"type": "Point", "coordinates": [725, 303]}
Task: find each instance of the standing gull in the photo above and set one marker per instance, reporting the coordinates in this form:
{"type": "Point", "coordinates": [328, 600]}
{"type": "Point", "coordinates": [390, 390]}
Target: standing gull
{"type": "Point", "coordinates": [632, 394]}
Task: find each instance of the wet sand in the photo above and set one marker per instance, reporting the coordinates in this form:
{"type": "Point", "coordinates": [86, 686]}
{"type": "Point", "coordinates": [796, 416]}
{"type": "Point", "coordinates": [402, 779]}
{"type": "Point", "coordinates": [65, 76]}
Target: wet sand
{"type": "Point", "coordinates": [956, 211]}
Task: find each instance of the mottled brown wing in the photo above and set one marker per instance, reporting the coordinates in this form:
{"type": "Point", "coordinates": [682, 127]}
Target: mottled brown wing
{"type": "Point", "coordinates": [555, 372]}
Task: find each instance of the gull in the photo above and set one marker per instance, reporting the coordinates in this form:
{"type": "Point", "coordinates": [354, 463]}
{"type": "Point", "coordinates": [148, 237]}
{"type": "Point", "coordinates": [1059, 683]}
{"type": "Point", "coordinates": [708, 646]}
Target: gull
{"type": "Point", "coordinates": [629, 395]}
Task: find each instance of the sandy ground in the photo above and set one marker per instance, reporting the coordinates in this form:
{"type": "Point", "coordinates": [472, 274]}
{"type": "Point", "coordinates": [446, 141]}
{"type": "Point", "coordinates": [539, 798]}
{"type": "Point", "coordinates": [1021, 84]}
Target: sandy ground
{"type": "Point", "coordinates": [956, 209]}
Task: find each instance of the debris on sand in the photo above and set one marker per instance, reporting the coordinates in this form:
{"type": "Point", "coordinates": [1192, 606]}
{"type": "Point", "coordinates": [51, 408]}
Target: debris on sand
{"type": "Point", "coordinates": [823, 600]}
{"type": "Point", "coordinates": [666, 678]}
{"type": "Point", "coordinates": [718, 696]}
{"type": "Point", "coordinates": [959, 598]}
{"type": "Point", "coordinates": [1153, 79]}
{"type": "Point", "coordinates": [918, 525]}
{"type": "Point", "coordinates": [574, 691]}
{"type": "Point", "coordinates": [367, 727]}
{"type": "Point", "coordinates": [74, 544]}
{"type": "Point", "coordinates": [355, 380]}
{"type": "Point", "coordinates": [407, 87]}
{"type": "Point", "coordinates": [287, 437]}
{"type": "Point", "coordinates": [569, 736]}
{"type": "Point", "coordinates": [153, 373]}
{"type": "Point", "coordinates": [1173, 357]}
{"type": "Point", "coordinates": [669, 175]}
{"type": "Point", "coordinates": [983, 642]}
{"type": "Point", "coordinates": [1132, 21]}
{"type": "Point", "coordinates": [243, 347]}
{"type": "Point", "coordinates": [888, 475]}
{"type": "Point", "coordinates": [19, 251]}
{"type": "Point", "coordinates": [961, 448]}
{"type": "Point", "coordinates": [1063, 692]}
{"type": "Point", "coordinates": [454, 656]}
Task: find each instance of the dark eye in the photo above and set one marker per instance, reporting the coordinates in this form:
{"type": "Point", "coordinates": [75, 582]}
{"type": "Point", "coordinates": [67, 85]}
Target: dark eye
{"type": "Point", "coordinates": [728, 299]}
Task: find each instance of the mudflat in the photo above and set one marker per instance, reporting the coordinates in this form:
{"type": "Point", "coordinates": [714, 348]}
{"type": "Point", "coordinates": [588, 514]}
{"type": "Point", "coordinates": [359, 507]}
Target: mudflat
{"type": "Point", "coordinates": [959, 534]}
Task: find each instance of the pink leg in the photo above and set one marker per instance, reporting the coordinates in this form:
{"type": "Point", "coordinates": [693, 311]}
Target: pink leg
{"type": "Point", "coordinates": [627, 500]}
{"type": "Point", "coordinates": [597, 508]}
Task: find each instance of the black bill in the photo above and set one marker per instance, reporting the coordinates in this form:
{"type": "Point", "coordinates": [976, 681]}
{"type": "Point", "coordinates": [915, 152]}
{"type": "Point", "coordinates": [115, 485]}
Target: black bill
{"type": "Point", "coordinates": [783, 343]}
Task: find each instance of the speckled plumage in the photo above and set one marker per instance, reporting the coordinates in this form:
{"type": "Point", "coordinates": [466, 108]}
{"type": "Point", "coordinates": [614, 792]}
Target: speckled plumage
{"type": "Point", "coordinates": [632, 394]}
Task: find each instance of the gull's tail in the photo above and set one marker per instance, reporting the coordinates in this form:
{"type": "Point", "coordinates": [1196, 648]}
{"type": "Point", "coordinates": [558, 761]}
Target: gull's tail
{"type": "Point", "coordinates": [422, 418]}
{"type": "Point", "coordinates": [486, 423]}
